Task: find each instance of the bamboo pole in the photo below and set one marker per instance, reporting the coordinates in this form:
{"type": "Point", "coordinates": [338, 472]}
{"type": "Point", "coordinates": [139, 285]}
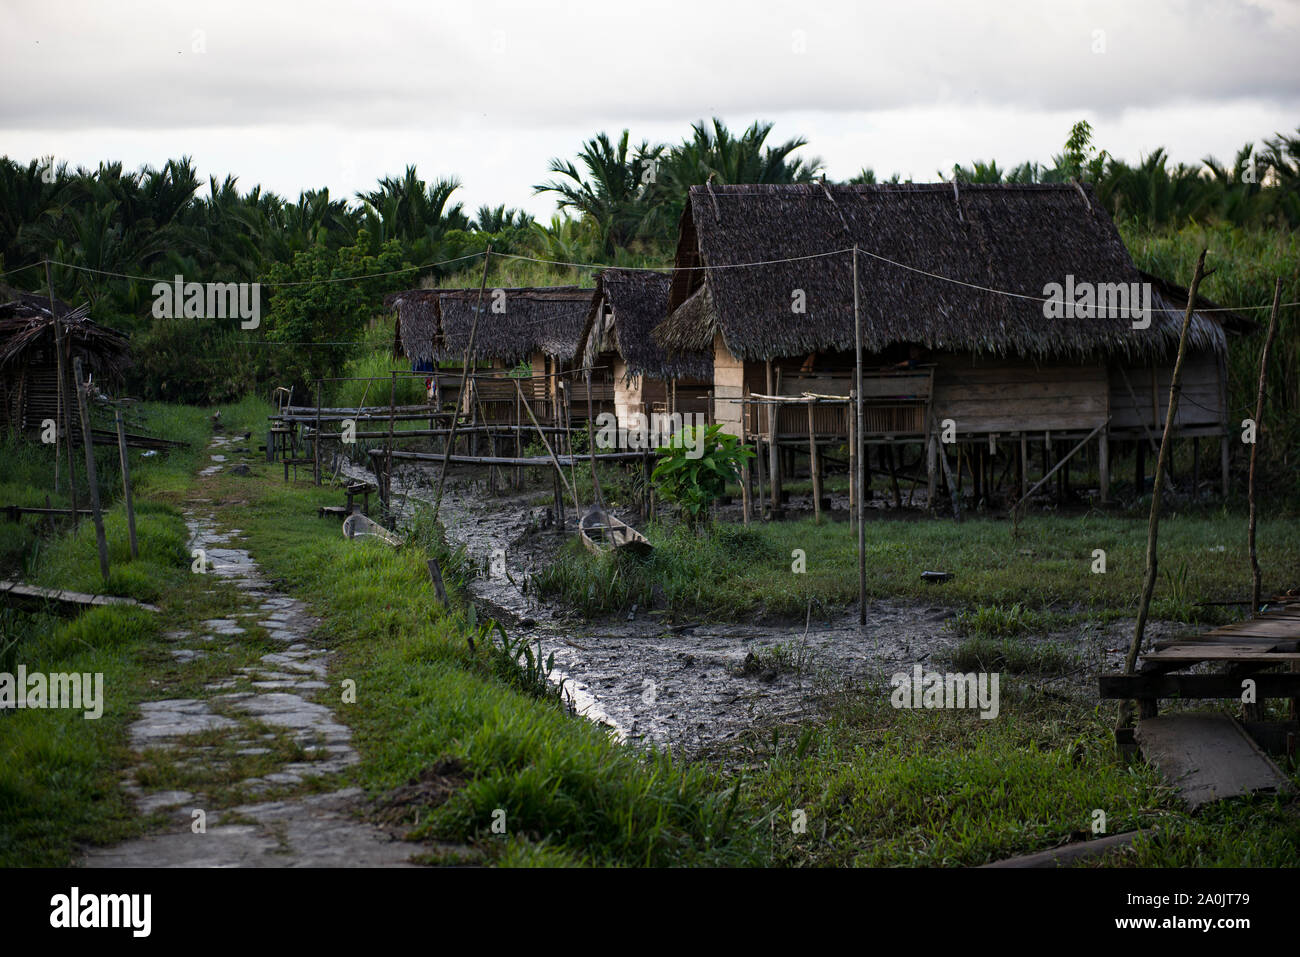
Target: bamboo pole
{"type": "Point", "coordinates": [773, 453]}
{"type": "Point", "coordinates": [88, 438]}
{"type": "Point", "coordinates": [519, 451]}
{"type": "Point", "coordinates": [813, 466]}
{"type": "Point", "coordinates": [1153, 523]}
{"type": "Point", "coordinates": [126, 481]}
{"type": "Point", "coordinates": [464, 373]}
{"type": "Point", "coordinates": [1256, 578]}
{"type": "Point", "coordinates": [555, 461]}
{"type": "Point", "coordinates": [591, 445]}
{"type": "Point", "coordinates": [854, 490]}
{"type": "Point", "coordinates": [64, 401]}
{"type": "Point", "coordinates": [388, 458]}
{"type": "Point", "coordinates": [862, 528]}
{"type": "Point", "coordinates": [315, 442]}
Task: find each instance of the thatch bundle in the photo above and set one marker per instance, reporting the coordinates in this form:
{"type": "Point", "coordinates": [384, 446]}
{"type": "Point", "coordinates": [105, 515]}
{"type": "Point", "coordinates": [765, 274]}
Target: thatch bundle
{"type": "Point", "coordinates": [1016, 238]}
{"type": "Point", "coordinates": [434, 324]}
{"type": "Point", "coordinates": [637, 301]}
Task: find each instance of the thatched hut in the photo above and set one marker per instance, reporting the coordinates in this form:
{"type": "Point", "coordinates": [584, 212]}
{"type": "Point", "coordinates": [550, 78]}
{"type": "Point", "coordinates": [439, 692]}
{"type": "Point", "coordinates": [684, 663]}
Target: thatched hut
{"type": "Point", "coordinates": [29, 365]}
{"type": "Point", "coordinates": [537, 326]}
{"type": "Point", "coordinates": [616, 343]}
{"type": "Point", "coordinates": [943, 344]}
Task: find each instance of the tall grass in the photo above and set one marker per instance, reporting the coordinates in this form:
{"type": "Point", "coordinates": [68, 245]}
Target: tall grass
{"type": "Point", "coordinates": [732, 570]}
{"type": "Point", "coordinates": [432, 698]}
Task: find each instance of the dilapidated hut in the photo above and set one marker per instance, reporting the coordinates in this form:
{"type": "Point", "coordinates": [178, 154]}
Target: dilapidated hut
{"type": "Point", "coordinates": [616, 343]}
{"type": "Point", "coordinates": [29, 363]}
{"type": "Point", "coordinates": [959, 343]}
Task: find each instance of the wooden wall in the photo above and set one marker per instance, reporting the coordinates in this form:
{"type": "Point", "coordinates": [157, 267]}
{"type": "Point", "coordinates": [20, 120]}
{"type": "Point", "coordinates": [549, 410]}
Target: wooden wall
{"type": "Point", "coordinates": [1015, 395]}
{"type": "Point", "coordinates": [728, 383]}
{"type": "Point", "coordinates": [1199, 407]}
{"type": "Point", "coordinates": [1005, 395]}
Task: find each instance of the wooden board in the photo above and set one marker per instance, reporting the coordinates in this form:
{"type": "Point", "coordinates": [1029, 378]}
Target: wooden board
{"type": "Point", "coordinates": [1214, 651]}
{"type": "Point", "coordinates": [1154, 685]}
{"type": "Point", "coordinates": [1262, 627]}
{"type": "Point", "coordinates": [1208, 757]}
{"type": "Point", "coordinates": [1067, 854]}
{"type": "Point", "coordinates": [1256, 641]}
{"type": "Point", "coordinates": [34, 596]}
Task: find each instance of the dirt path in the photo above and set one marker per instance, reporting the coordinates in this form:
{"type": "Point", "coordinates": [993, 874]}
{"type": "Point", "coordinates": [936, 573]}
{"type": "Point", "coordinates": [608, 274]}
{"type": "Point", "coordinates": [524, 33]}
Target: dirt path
{"type": "Point", "coordinates": [247, 769]}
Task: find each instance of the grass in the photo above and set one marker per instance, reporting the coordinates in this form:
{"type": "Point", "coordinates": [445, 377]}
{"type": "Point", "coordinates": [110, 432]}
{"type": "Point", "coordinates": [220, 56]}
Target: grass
{"type": "Point", "coordinates": [566, 793]}
{"type": "Point", "coordinates": [438, 687]}
{"type": "Point", "coordinates": [872, 786]}
{"type": "Point", "coordinates": [60, 774]}
{"type": "Point", "coordinates": [732, 571]}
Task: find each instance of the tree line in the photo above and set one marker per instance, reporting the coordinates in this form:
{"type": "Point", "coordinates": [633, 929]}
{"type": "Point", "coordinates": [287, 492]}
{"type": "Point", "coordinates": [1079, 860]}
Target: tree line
{"type": "Point", "coordinates": [620, 202]}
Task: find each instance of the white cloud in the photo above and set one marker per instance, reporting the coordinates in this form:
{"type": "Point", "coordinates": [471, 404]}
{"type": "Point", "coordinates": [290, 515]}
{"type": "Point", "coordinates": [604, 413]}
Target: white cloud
{"type": "Point", "coordinates": [295, 95]}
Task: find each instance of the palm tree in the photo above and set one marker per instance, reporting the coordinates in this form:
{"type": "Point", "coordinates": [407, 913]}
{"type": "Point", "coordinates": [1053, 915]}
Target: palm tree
{"type": "Point", "coordinates": [613, 192]}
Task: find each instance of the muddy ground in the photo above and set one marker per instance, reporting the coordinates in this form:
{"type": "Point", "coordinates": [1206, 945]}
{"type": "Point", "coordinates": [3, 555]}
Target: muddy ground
{"type": "Point", "coordinates": [700, 684]}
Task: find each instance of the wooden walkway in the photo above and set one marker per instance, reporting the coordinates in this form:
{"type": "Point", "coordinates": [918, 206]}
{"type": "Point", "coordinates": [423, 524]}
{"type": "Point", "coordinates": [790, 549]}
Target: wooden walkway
{"type": "Point", "coordinates": [1244, 649]}
{"type": "Point", "coordinates": [1211, 756]}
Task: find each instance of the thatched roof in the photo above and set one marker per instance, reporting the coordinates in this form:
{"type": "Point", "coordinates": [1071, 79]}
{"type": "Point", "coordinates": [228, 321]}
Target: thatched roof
{"type": "Point", "coordinates": [636, 301]}
{"type": "Point", "coordinates": [417, 321]}
{"type": "Point", "coordinates": [27, 328]}
{"type": "Point", "coordinates": [434, 324]}
{"type": "Point", "coordinates": [1015, 238]}
{"type": "Point", "coordinates": [515, 323]}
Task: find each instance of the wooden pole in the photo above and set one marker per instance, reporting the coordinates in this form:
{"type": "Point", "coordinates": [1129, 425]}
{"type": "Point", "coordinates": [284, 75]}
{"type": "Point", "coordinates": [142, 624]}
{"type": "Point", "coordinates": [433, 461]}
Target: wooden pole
{"type": "Point", "coordinates": [315, 436]}
{"type": "Point", "coordinates": [814, 471]}
{"type": "Point", "coordinates": [519, 450]}
{"type": "Point", "coordinates": [931, 471]}
{"type": "Point", "coordinates": [126, 481]}
{"type": "Point", "coordinates": [1103, 466]}
{"type": "Point", "coordinates": [464, 374]}
{"type": "Point", "coordinates": [744, 490]}
{"type": "Point", "coordinates": [388, 457]}
{"type": "Point", "coordinates": [1153, 523]}
{"type": "Point", "coordinates": [862, 529]}
{"type": "Point", "coordinates": [64, 401]}
{"type": "Point", "coordinates": [854, 490]}
{"type": "Point", "coordinates": [555, 461]}
{"type": "Point", "coordinates": [89, 439]}
{"type": "Point", "coordinates": [1256, 577]}
{"type": "Point", "coordinates": [591, 445]}
{"type": "Point", "coordinates": [773, 451]}
{"type": "Point", "coordinates": [568, 433]}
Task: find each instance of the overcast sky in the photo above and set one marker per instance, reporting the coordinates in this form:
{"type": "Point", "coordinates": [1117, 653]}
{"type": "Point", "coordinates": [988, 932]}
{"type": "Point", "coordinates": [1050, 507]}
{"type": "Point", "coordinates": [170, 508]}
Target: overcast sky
{"type": "Point", "coordinates": [300, 95]}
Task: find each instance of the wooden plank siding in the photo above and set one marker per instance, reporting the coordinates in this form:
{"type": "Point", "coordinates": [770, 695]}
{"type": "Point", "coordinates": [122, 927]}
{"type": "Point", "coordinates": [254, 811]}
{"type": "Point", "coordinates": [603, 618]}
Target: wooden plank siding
{"type": "Point", "coordinates": [1015, 395]}
{"type": "Point", "coordinates": [1201, 403]}
{"type": "Point", "coordinates": [728, 383]}
{"type": "Point", "coordinates": [982, 394]}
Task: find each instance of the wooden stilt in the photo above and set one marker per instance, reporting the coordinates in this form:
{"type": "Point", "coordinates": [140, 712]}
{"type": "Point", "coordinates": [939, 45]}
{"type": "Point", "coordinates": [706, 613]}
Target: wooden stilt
{"type": "Point", "coordinates": [745, 491]}
{"type": "Point", "coordinates": [126, 482]}
{"type": "Point", "coordinates": [1223, 463]}
{"type": "Point", "coordinates": [1022, 463]}
{"type": "Point", "coordinates": [893, 474]}
{"type": "Point", "coordinates": [813, 470]}
{"type": "Point", "coordinates": [89, 440]}
{"type": "Point", "coordinates": [1103, 467]}
{"type": "Point", "coordinates": [931, 464]}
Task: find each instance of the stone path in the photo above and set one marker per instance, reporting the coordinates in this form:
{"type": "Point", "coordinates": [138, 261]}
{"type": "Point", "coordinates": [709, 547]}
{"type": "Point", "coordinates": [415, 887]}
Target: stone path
{"type": "Point", "coordinates": [257, 736]}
